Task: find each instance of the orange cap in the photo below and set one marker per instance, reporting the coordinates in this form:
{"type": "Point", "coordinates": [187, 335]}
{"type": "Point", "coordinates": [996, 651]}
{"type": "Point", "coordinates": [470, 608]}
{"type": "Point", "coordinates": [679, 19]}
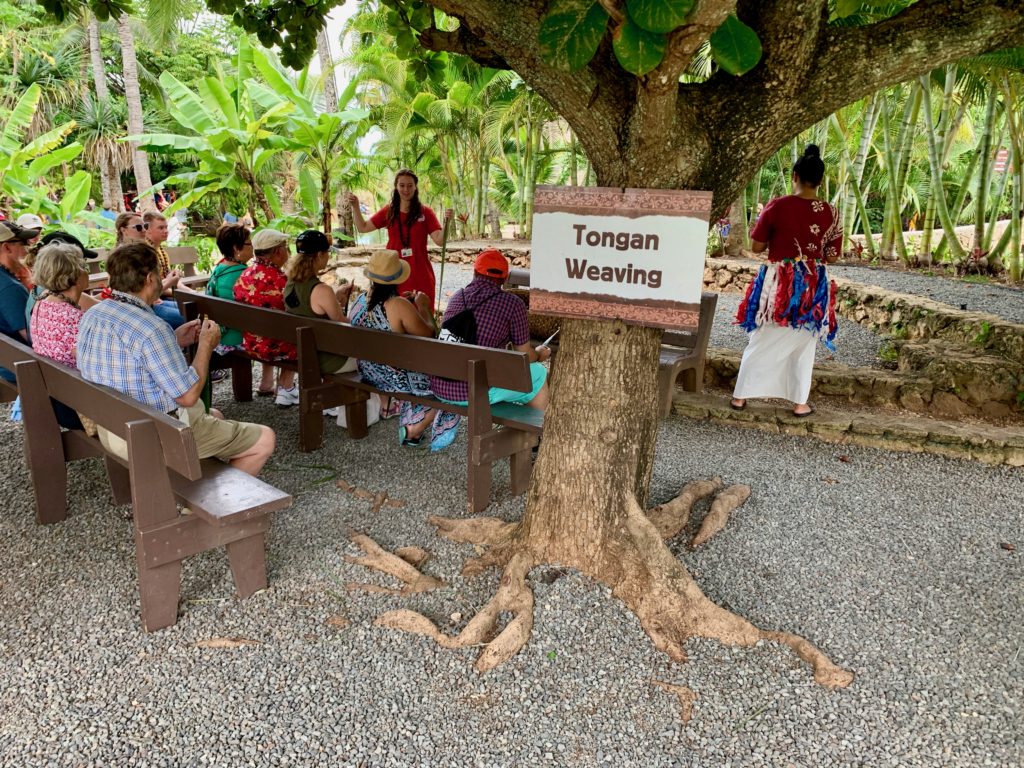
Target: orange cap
{"type": "Point", "coordinates": [491, 264]}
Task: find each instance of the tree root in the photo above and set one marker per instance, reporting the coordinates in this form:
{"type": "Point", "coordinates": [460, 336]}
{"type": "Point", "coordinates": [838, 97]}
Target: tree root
{"type": "Point", "coordinates": [513, 596]}
{"type": "Point", "coordinates": [672, 608]}
{"type": "Point", "coordinates": [484, 531]}
{"type": "Point", "coordinates": [395, 565]}
{"type": "Point", "coordinates": [671, 517]}
{"type": "Point", "coordinates": [725, 503]}
{"type": "Point", "coordinates": [685, 695]}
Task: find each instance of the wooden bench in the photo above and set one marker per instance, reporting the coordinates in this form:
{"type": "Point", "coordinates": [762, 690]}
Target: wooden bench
{"type": "Point", "coordinates": [479, 367]}
{"type": "Point", "coordinates": [682, 352]}
{"type": "Point", "coordinates": [229, 508]}
{"type": "Point", "coordinates": [183, 256]}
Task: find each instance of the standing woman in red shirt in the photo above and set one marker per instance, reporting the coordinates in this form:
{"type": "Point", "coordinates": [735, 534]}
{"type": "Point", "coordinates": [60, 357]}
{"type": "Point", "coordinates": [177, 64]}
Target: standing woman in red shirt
{"type": "Point", "coordinates": [409, 223]}
{"type": "Point", "coordinates": [790, 305]}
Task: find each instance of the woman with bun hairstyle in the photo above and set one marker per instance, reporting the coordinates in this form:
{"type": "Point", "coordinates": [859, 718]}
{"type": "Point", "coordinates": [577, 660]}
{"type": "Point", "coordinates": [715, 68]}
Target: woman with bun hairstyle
{"type": "Point", "coordinates": [791, 304]}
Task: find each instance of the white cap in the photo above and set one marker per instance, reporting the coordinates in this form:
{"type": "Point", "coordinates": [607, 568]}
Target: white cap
{"type": "Point", "coordinates": [29, 221]}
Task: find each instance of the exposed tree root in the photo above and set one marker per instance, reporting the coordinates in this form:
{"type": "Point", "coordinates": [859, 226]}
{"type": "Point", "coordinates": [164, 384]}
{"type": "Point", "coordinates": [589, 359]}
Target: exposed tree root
{"type": "Point", "coordinates": [485, 531]}
{"type": "Point", "coordinates": [672, 516]}
{"type": "Point", "coordinates": [685, 695]}
{"type": "Point", "coordinates": [725, 503]}
{"type": "Point", "coordinates": [513, 596]}
{"type": "Point", "coordinates": [380, 559]}
{"type": "Point", "coordinates": [635, 562]}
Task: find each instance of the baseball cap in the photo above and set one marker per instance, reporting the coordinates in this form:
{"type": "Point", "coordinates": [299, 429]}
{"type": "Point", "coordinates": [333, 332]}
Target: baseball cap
{"type": "Point", "coordinates": [266, 239]}
{"type": "Point", "coordinates": [29, 221]}
{"type": "Point", "coordinates": [312, 241]}
{"type": "Point", "coordinates": [67, 237]}
{"type": "Point", "coordinates": [491, 263]}
{"type": "Point", "coordinates": [11, 231]}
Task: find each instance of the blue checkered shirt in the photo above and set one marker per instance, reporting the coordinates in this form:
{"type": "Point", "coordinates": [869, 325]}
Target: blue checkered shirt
{"type": "Point", "coordinates": [124, 345]}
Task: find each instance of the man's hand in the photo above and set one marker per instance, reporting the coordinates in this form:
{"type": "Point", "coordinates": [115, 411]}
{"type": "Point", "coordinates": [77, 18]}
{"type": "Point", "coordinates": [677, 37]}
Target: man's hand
{"type": "Point", "coordinates": [209, 336]}
{"type": "Point", "coordinates": [545, 355]}
{"type": "Point", "coordinates": [187, 334]}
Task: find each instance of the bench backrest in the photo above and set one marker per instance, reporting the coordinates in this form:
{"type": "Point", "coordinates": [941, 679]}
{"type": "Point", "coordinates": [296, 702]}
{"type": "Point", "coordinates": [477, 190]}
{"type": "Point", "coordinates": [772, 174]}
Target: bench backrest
{"type": "Point", "coordinates": [506, 369]}
{"type": "Point", "coordinates": [107, 407]}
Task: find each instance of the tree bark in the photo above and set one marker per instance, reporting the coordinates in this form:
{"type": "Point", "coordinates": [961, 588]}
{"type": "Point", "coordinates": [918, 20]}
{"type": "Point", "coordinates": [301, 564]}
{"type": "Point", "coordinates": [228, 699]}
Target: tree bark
{"type": "Point", "coordinates": [110, 174]}
{"type": "Point", "coordinates": [133, 98]}
{"type": "Point", "coordinates": [323, 49]}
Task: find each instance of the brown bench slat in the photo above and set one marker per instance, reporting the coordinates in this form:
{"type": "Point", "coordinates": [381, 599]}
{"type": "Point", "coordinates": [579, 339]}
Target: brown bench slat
{"type": "Point", "coordinates": [227, 495]}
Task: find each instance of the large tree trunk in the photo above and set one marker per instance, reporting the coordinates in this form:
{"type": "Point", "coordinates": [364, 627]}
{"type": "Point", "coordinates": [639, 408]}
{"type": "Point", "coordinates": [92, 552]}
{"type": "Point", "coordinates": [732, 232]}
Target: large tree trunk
{"type": "Point", "coordinates": [133, 97]}
{"type": "Point", "coordinates": [323, 50]}
{"type": "Point", "coordinates": [110, 174]}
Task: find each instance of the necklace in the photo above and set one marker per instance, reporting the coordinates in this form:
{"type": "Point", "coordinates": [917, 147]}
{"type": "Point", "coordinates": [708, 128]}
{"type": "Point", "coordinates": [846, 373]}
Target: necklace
{"type": "Point", "coordinates": [62, 297]}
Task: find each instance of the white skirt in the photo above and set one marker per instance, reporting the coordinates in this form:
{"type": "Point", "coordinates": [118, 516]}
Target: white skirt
{"type": "Point", "coordinates": [778, 362]}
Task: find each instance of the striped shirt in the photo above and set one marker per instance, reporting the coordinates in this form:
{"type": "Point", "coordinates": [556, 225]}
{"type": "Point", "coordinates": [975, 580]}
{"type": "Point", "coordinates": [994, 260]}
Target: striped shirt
{"type": "Point", "coordinates": [124, 345]}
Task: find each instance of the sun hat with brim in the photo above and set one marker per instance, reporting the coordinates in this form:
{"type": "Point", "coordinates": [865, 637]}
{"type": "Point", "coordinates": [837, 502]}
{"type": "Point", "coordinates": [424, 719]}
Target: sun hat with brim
{"type": "Point", "coordinates": [10, 231]}
{"type": "Point", "coordinates": [67, 237]}
{"type": "Point", "coordinates": [387, 268]}
{"type": "Point", "coordinates": [491, 264]}
{"type": "Point", "coordinates": [267, 239]}
{"type": "Point", "coordinates": [29, 221]}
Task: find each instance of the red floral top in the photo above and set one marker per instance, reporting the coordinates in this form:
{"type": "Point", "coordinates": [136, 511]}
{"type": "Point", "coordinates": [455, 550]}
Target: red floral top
{"type": "Point", "coordinates": [262, 285]}
{"type": "Point", "coordinates": [800, 229]}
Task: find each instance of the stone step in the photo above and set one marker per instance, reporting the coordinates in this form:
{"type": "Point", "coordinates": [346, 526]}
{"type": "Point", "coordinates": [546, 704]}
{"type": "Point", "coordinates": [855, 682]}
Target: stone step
{"type": "Point", "coordinates": [895, 432]}
{"type": "Point", "coordinates": [952, 386]}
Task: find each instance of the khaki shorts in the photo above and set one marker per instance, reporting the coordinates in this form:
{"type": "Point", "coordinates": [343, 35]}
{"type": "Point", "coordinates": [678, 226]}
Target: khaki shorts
{"type": "Point", "coordinates": [222, 438]}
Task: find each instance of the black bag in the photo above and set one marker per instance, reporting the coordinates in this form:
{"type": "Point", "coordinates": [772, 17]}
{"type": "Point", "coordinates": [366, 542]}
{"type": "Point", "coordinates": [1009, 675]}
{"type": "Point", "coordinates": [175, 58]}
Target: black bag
{"type": "Point", "coordinates": [460, 328]}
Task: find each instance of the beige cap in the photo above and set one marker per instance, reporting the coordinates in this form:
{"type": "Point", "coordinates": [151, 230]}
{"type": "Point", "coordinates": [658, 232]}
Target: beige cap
{"type": "Point", "coordinates": [29, 221]}
{"type": "Point", "coordinates": [266, 239]}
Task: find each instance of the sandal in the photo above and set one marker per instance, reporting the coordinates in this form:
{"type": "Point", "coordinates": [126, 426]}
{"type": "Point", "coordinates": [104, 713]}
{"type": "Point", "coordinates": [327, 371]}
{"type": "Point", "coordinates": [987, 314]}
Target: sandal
{"type": "Point", "coordinates": [266, 392]}
{"type": "Point", "coordinates": [394, 408]}
{"type": "Point", "coordinates": [805, 413]}
{"type": "Point", "coordinates": [411, 442]}
{"type": "Point", "coordinates": [737, 404]}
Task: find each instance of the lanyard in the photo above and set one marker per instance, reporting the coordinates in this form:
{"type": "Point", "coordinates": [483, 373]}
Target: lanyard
{"type": "Point", "coordinates": [404, 236]}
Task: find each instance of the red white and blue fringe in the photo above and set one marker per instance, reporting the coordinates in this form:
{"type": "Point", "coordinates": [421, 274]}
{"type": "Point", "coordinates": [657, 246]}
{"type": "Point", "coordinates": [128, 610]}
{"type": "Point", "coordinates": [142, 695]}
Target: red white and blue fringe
{"type": "Point", "coordinates": [792, 295]}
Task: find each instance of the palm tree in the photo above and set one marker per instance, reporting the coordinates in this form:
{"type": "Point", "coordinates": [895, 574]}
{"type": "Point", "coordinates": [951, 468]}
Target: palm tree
{"type": "Point", "coordinates": [102, 127]}
{"type": "Point", "coordinates": [133, 97]}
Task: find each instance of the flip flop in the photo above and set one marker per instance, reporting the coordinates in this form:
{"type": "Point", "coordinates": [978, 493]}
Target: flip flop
{"type": "Point", "coordinates": [266, 392]}
{"type": "Point", "coordinates": [805, 414]}
{"type": "Point", "coordinates": [410, 442]}
{"type": "Point", "coordinates": [735, 407]}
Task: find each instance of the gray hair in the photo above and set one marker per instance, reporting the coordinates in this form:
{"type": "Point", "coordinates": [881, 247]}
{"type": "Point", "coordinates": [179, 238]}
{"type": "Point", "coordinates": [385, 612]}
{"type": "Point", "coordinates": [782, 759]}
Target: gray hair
{"type": "Point", "coordinates": [58, 266]}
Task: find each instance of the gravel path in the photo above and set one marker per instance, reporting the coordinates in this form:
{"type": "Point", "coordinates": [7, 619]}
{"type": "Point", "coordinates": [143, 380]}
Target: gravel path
{"type": "Point", "coordinates": [891, 563]}
{"type": "Point", "coordinates": [1000, 300]}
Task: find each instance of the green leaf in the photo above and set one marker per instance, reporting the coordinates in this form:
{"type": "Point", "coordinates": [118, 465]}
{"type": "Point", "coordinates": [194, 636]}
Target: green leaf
{"type": "Point", "coordinates": [846, 8]}
{"type": "Point", "coordinates": [168, 142]}
{"type": "Point", "coordinates": [39, 167]}
{"type": "Point", "coordinates": [20, 118]}
{"type": "Point", "coordinates": [571, 31]}
{"type": "Point", "coordinates": [735, 47]}
{"type": "Point", "coordinates": [309, 193]}
{"type": "Point", "coordinates": [659, 15]}
{"type": "Point", "coordinates": [187, 108]}
{"type": "Point", "coordinates": [638, 50]}
{"type": "Point", "coordinates": [213, 91]}
{"type": "Point", "coordinates": [76, 194]}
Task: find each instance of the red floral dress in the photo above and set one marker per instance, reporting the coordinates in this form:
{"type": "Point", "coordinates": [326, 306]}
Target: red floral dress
{"type": "Point", "coordinates": [262, 285]}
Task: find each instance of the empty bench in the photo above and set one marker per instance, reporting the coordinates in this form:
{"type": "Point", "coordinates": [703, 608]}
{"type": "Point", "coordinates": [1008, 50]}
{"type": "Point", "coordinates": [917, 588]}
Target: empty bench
{"type": "Point", "coordinates": [518, 427]}
{"type": "Point", "coordinates": [229, 508]}
{"type": "Point", "coordinates": [682, 352]}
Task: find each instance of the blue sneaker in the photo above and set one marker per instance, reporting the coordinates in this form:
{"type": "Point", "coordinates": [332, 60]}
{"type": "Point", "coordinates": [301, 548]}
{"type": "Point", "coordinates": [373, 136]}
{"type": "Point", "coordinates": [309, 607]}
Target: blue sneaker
{"type": "Point", "coordinates": [443, 440]}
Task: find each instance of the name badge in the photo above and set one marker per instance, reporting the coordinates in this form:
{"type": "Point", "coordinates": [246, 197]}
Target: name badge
{"type": "Point", "coordinates": [407, 253]}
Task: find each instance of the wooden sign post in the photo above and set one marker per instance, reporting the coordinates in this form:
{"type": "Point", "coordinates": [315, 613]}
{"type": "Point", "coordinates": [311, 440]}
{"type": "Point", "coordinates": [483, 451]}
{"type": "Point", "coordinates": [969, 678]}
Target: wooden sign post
{"type": "Point", "coordinates": [635, 255]}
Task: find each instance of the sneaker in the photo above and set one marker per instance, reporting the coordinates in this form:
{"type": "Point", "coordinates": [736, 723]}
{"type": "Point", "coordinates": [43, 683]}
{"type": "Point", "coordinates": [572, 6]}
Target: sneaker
{"type": "Point", "coordinates": [332, 413]}
{"type": "Point", "coordinates": [219, 375]}
{"type": "Point", "coordinates": [287, 397]}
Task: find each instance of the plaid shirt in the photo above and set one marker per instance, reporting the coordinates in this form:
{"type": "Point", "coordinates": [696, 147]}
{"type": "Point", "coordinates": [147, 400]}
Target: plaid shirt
{"type": "Point", "coordinates": [499, 322]}
{"type": "Point", "coordinates": [124, 345]}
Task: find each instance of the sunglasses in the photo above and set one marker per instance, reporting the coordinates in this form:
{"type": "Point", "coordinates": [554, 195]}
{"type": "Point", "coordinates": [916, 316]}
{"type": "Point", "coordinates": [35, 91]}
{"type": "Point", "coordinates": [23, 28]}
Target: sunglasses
{"type": "Point", "coordinates": [139, 227]}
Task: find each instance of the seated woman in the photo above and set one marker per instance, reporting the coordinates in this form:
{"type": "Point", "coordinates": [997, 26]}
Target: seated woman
{"type": "Point", "coordinates": [384, 310]}
{"type": "Point", "coordinates": [61, 272]}
{"type": "Point", "coordinates": [235, 245]}
{"type": "Point", "coordinates": [306, 296]}
{"type": "Point", "coordinates": [129, 226]}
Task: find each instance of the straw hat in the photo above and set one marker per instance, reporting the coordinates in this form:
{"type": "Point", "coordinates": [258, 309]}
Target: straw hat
{"type": "Point", "coordinates": [387, 268]}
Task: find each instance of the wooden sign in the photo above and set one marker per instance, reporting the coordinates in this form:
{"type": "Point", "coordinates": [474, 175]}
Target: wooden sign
{"type": "Point", "coordinates": [635, 255]}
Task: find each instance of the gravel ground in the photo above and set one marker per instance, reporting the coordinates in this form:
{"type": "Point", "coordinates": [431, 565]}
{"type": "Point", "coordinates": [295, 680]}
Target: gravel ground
{"type": "Point", "coordinates": [891, 563]}
{"type": "Point", "coordinates": [1000, 300]}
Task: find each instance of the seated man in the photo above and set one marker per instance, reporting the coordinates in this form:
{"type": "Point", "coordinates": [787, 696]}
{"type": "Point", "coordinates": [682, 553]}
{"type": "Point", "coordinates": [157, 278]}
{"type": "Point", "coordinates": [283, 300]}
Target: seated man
{"type": "Point", "coordinates": [124, 345]}
{"type": "Point", "coordinates": [500, 320]}
{"type": "Point", "coordinates": [13, 293]}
